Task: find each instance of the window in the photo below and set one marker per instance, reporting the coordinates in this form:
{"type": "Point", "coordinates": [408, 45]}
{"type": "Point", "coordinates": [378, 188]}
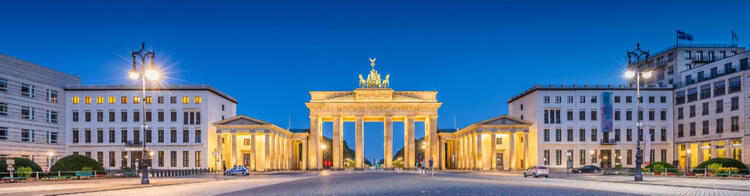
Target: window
{"type": "Point", "coordinates": [582, 115]}
{"type": "Point", "coordinates": [582, 135]}
{"type": "Point", "coordinates": [719, 106]}
{"type": "Point", "coordinates": [692, 111]}
{"type": "Point", "coordinates": [628, 115]}
{"type": "Point", "coordinates": [173, 99]}
{"type": "Point", "coordinates": [617, 114]}
{"type": "Point", "coordinates": [124, 116]}
{"type": "Point", "coordinates": [111, 158]}
{"type": "Point", "coordinates": [680, 130]}
{"type": "Point", "coordinates": [3, 133]}
{"type": "Point", "coordinates": [28, 90]}
{"type": "Point", "coordinates": [692, 94]}
{"type": "Point", "coordinates": [147, 134]}
{"type": "Point", "coordinates": [651, 99]}
{"type": "Point", "coordinates": [735, 103]}
{"type": "Point", "coordinates": [75, 116]}
{"type": "Point", "coordinates": [629, 157]}
{"type": "Point", "coordinates": [692, 129]}
{"type": "Point", "coordinates": [87, 100]}
{"type": "Point", "coordinates": [99, 116]}
{"type": "Point", "coordinates": [593, 135]}
{"type": "Point", "coordinates": [679, 113]}
{"type": "Point", "coordinates": [111, 116]}
{"type": "Point", "coordinates": [75, 100]}
{"type": "Point", "coordinates": [75, 136]}
{"type": "Point", "coordinates": [3, 85]}
{"type": "Point", "coordinates": [629, 135]}
{"type": "Point", "coordinates": [719, 125]}
{"type": "Point", "coordinates": [27, 113]}
{"type": "Point", "coordinates": [558, 99]}
{"type": "Point", "coordinates": [52, 116]}
{"type": "Point", "coordinates": [663, 99]}
{"type": "Point", "coordinates": [87, 136]}
{"type": "Point", "coordinates": [173, 158]}
{"type": "Point", "coordinates": [570, 115]}
{"type": "Point", "coordinates": [546, 135]}
{"type": "Point", "coordinates": [617, 99]}
{"type": "Point", "coordinates": [87, 116]}
{"type": "Point", "coordinates": [173, 116]}
{"type": "Point", "coordinates": [551, 116]}
{"type": "Point", "coordinates": [570, 99]}
{"type": "Point", "coordinates": [618, 157]}
{"type": "Point", "coordinates": [735, 123]}
{"type": "Point", "coordinates": [148, 116]}
{"type": "Point", "coordinates": [160, 116]}
{"type": "Point", "coordinates": [197, 158]}
{"type": "Point", "coordinates": [99, 136]}
{"type": "Point", "coordinates": [546, 157]}
{"type": "Point", "coordinates": [198, 136]}
{"type": "Point", "coordinates": [582, 99]}
{"type": "Point", "coordinates": [52, 137]}
{"type": "Point", "coordinates": [593, 99]}
{"type": "Point", "coordinates": [663, 155]}
{"type": "Point", "coordinates": [111, 135]}
{"type": "Point", "coordinates": [185, 99]}
{"type": "Point", "coordinates": [160, 136]}
{"type": "Point", "coordinates": [161, 158]}
{"type": "Point", "coordinates": [148, 99]}
{"type": "Point", "coordinates": [570, 135]}
{"type": "Point", "coordinates": [100, 157]}
{"type": "Point", "coordinates": [593, 115]}
{"type": "Point", "coordinates": [27, 135]}
{"type": "Point", "coordinates": [628, 99]}
{"type": "Point", "coordinates": [52, 96]}
{"type": "Point", "coordinates": [652, 134]}
{"type": "Point", "coordinates": [136, 100]}
{"type": "Point", "coordinates": [582, 157]}
{"type": "Point", "coordinates": [558, 135]}
{"type": "Point", "coordinates": [222, 107]}
{"type": "Point", "coordinates": [136, 116]}
{"type": "Point", "coordinates": [173, 136]}
{"type": "Point", "coordinates": [679, 97]}
{"type": "Point", "coordinates": [663, 135]}
{"type": "Point", "coordinates": [640, 114]}
{"type": "Point", "coordinates": [123, 99]}
{"type": "Point", "coordinates": [111, 100]}
{"type": "Point", "coordinates": [185, 136]}
{"type": "Point", "coordinates": [663, 115]}
{"type": "Point", "coordinates": [185, 158]}
{"type": "Point", "coordinates": [704, 109]}
{"type": "Point", "coordinates": [124, 136]}
{"type": "Point", "coordinates": [160, 99]}
{"type": "Point", "coordinates": [617, 135]}
{"type": "Point", "coordinates": [651, 115]}
{"type": "Point", "coordinates": [185, 118]}
{"type": "Point", "coordinates": [706, 91]}
{"type": "Point", "coordinates": [198, 100]}
{"type": "Point", "coordinates": [558, 157]}
{"type": "Point", "coordinates": [99, 100]}
{"type": "Point", "coordinates": [735, 85]}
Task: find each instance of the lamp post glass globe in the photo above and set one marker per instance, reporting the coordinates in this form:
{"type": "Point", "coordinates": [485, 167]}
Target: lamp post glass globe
{"type": "Point", "coordinates": [323, 146]}
{"type": "Point", "coordinates": [152, 74]}
{"type": "Point", "coordinates": [646, 74]}
{"type": "Point", "coordinates": [629, 74]}
{"type": "Point", "coordinates": [133, 75]}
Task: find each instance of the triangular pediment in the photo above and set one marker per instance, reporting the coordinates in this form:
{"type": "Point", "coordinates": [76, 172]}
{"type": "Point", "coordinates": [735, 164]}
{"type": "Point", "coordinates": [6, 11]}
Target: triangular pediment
{"type": "Point", "coordinates": [241, 120]}
{"type": "Point", "coordinates": [504, 120]}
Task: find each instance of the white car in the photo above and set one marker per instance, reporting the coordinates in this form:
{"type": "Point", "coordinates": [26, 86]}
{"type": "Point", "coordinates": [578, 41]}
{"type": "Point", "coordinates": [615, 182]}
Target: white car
{"type": "Point", "coordinates": [536, 171]}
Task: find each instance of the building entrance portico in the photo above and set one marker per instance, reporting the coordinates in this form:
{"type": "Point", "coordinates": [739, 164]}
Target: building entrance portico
{"type": "Point", "coordinates": [372, 102]}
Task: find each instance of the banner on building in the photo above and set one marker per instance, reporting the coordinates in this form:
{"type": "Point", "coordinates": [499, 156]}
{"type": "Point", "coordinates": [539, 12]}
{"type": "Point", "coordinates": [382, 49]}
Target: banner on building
{"type": "Point", "coordinates": [606, 114]}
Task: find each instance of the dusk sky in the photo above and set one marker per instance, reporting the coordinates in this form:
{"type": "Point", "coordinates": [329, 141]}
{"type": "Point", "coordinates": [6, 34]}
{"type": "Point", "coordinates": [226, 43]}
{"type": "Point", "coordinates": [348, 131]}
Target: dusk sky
{"type": "Point", "coordinates": [270, 55]}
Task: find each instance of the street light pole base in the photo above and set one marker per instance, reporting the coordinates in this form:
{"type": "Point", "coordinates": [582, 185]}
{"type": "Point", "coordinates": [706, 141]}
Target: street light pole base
{"type": "Point", "coordinates": [144, 181]}
{"type": "Point", "coordinates": [638, 178]}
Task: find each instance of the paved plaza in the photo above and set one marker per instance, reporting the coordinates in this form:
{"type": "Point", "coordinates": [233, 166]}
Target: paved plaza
{"type": "Point", "coordinates": [385, 183]}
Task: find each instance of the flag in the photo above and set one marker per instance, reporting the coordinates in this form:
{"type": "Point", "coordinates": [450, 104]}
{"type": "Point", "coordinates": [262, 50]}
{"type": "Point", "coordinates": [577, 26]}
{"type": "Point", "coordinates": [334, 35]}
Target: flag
{"type": "Point", "coordinates": [734, 36]}
{"type": "Point", "coordinates": [683, 35]}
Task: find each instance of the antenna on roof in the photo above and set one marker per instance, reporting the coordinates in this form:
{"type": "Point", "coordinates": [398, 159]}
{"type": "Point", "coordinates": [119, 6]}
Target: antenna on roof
{"type": "Point", "coordinates": [289, 123]}
{"type": "Point", "coordinates": [454, 120]}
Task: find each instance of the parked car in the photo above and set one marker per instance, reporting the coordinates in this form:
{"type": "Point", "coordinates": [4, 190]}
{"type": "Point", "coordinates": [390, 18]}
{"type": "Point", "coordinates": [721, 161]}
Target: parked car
{"type": "Point", "coordinates": [237, 170]}
{"type": "Point", "coordinates": [536, 171]}
{"type": "Point", "coordinates": [587, 169]}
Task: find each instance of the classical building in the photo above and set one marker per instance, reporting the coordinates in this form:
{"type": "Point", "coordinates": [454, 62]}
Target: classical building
{"type": "Point", "coordinates": [372, 102]}
{"type": "Point", "coordinates": [258, 145]}
{"type": "Point", "coordinates": [500, 143]}
{"type": "Point", "coordinates": [711, 111]}
{"type": "Point", "coordinates": [104, 123]}
{"type": "Point", "coordinates": [32, 115]}
{"type": "Point", "coordinates": [670, 63]}
{"type": "Point", "coordinates": [595, 125]}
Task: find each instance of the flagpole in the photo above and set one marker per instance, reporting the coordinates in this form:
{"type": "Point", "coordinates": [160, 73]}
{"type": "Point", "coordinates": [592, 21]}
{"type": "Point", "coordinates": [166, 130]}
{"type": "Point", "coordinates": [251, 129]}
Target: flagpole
{"type": "Point", "coordinates": [677, 39]}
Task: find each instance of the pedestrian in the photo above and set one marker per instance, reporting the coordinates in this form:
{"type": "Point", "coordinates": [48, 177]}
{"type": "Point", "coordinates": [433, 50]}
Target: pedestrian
{"type": "Point", "coordinates": [432, 170]}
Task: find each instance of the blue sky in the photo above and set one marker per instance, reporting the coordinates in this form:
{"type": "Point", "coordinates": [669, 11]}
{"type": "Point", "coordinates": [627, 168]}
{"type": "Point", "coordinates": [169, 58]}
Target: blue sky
{"type": "Point", "coordinates": [477, 54]}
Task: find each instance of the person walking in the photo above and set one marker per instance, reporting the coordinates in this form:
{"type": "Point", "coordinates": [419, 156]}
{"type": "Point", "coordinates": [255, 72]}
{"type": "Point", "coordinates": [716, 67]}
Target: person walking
{"type": "Point", "coordinates": [432, 170]}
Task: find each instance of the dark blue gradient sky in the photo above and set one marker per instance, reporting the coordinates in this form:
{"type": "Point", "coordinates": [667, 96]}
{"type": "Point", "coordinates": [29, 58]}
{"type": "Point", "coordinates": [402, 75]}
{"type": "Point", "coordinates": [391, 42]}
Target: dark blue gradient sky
{"type": "Point", "coordinates": [269, 55]}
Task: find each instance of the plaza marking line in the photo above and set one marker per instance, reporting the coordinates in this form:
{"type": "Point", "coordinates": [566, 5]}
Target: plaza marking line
{"type": "Point", "coordinates": [645, 183]}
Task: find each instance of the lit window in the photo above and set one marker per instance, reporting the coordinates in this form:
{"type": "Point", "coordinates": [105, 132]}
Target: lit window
{"type": "Point", "coordinates": [148, 99]}
{"type": "Point", "coordinates": [124, 99]}
{"type": "Point", "coordinates": [198, 100]}
{"type": "Point", "coordinates": [136, 99]}
{"type": "Point", "coordinates": [87, 100]}
{"type": "Point", "coordinates": [99, 100]}
{"type": "Point", "coordinates": [112, 99]}
{"type": "Point", "coordinates": [75, 100]}
{"type": "Point", "coordinates": [185, 99]}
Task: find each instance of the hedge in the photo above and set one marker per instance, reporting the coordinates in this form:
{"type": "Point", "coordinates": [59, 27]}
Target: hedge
{"type": "Point", "coordinates": [76, 163]}
{"type": "Point", "coordinates": [725, 162]}
{"type": "Point", "coordinates": [20, 162]}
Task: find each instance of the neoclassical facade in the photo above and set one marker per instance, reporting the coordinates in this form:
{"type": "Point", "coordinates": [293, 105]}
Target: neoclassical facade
{"type": "Point", "coordinates": [500, 143]}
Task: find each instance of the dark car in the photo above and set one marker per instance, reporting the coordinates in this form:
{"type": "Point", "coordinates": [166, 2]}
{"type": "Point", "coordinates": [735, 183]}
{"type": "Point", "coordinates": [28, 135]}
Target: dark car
{"type": "Point", "coordinates": [587, 169]}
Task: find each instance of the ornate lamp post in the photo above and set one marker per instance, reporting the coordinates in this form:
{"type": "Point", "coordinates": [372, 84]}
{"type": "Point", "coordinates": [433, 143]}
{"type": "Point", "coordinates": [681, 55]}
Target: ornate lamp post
{"type": "Point", "coordinates": [151, 73]}
{"type": "Point", "coordinates": [637, 56]}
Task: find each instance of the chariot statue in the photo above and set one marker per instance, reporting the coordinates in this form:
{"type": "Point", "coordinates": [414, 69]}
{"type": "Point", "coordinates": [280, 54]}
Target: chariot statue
{"type": "Point", "coordinates": [373, 79]}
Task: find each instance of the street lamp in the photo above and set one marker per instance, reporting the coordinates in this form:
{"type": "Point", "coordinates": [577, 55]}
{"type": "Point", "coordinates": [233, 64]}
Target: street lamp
{"type": "Point", "coordinates": [637, 56]}
{"type": "Point", "coordinates": [151, 73]}
{"type": "Point", "coordinates": [687, 161]}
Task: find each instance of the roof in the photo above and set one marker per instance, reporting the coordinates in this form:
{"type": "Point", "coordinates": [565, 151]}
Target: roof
{"type": "Point", "coordinates": [183, 87]}
{"type": "Point", "coordinates": [447, 130]}
{"type": "Point", "coordinates": [299, 130]}
{"type": "Point", "coordinates": [241, 120]}
{"type": "Point", "coordinates": [583, 87]}
{"type": "Point", "coordinates": [498, 121]}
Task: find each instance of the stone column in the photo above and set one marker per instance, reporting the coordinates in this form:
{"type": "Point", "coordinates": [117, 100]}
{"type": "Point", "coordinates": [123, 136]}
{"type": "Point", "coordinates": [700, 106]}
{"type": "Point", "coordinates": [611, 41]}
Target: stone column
{"type": "Point", "coordinates": [313, 160]}
{"type": "Point", "coordinates": [410, 140]}
{"type": "Point", "coordinates": [267, 159]}
{"type": "Point", "coordinates": [260, 154]}
{"type": "Point", "coordinates": [491, 155]}
{"type": "Point", "coordinates": [252, 152]}
{"type": "Point", "coordinates": [526, 150]}
{"type": "Point", "coordinates": [304, 155]}
{"type": "Point", "coordinates": [479, 158]}
{"type": "Point", "coordinates": [388, 142]}
{"type": "Point", "coordinates": [442, 153]}
{"type": "Point", "coordinates": [359, 143]}
{"type": "Point", "coordinates": [219, 151]}
{"type": "Point", "coordinates": [427, 150]}
{"type": "Point", "coordinates": [233, 153]}
{"type": "Point", "coordinates": [512, 150]}
{"type": "Point", "coordinates": [434, 143]}
{"type": "Point", "coordinates": [336, 142]}
{"type": "Point", "coordinates": [472, 153]}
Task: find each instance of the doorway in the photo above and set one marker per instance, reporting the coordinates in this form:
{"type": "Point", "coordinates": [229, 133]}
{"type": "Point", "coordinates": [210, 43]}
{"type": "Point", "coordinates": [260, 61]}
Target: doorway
{"type": "Point", "coordinates": [499, 161]}
{"type": "Point", "coordinates": [606, 159]}
{"type": "Point", "coordinates": [246, 159]}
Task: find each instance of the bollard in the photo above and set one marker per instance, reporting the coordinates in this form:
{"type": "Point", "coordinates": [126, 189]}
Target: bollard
{"type": "Point", "coordinates": [37, 175]}
{"type": "Point", "coordinates": [94, 173]}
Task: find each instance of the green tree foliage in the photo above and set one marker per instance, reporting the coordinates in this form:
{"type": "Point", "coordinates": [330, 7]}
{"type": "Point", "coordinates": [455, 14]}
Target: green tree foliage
{"type": "Point", "coordinates": [20, 162]}
{"type": "Point", "coordinates": [725, 163]}
{"type": "Point", "coordinates": [76, 163]}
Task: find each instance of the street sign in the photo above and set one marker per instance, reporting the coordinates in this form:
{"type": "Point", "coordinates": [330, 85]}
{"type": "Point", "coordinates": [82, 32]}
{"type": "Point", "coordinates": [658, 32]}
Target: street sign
{"type": "Point", "coordinates": [10, 168]}
{"type": "Point", "coordinates": [10, 161]}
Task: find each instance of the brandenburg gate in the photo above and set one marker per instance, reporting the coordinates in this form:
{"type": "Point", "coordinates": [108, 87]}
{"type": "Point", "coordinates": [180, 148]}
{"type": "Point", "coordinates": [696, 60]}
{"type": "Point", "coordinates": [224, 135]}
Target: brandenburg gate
{"type": "Point", "coordinates": [373, 101]}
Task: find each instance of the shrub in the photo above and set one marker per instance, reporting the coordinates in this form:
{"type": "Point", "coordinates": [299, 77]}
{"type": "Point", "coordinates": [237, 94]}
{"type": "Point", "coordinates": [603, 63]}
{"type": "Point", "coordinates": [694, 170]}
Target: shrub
{"type": "Point", "coordinates": [19, 162]}
{"type": "Point", "coordinates": [659, 166]}
{"type": "Point", "coordinates": [725, 162]}
{"type": "Point", "coordinates": [24, 171]}
{"type": "Point", "coordinates": [618, 167]}
{"type": "Point", "coordinates": [398, 164]}
{"type": "Point", "coordinates": [76, 163]}
{"type": "Point", "coordinates": [713, 168]}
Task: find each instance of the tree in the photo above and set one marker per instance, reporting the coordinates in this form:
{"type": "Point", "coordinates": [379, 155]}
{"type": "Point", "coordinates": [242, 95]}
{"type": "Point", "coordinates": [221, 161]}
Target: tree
{"type": "Point", "coordinates": [76, 163]}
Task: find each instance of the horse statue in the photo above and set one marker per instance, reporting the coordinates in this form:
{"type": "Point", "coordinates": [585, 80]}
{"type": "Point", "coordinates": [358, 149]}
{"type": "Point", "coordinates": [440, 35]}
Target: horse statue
{"type": "Point", "coordinates": [387, 81]}
{"type": "Point", "coordinates": [362, 82]}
